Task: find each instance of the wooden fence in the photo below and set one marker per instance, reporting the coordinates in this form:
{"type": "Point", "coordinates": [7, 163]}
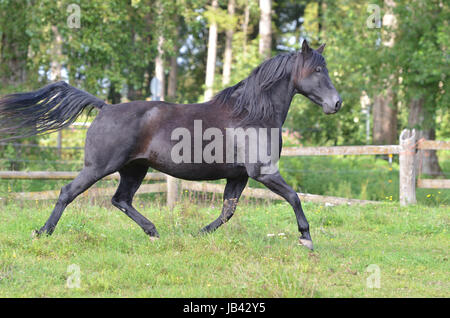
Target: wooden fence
{"type": "Point", "coordinates": [406, 150]}
{"type": "Point", "coordinates": [172, 187]}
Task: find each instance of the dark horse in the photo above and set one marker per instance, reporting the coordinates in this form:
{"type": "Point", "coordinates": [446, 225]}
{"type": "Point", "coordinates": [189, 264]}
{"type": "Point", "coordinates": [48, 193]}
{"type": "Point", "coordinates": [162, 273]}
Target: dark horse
{"type": "Point", "coordinates": [131, 137]}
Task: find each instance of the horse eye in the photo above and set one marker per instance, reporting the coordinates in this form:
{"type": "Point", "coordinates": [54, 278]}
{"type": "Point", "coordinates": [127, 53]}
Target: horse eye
{"type": "Point", "coordinates": [318, 69]}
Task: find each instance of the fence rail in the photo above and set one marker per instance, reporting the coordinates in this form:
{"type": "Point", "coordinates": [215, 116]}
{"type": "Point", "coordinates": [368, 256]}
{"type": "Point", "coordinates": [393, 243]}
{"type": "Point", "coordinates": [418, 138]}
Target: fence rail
{"type": "Point", "coordinates": [433, 145]}
{"type": "Point", "coordinates": [54, 194]}
{"type": "Point", "coordinates": [406, 150]}
{"type": "Point", "coordinates": [341, 150]}
{"type": "Point", "coordinates": [267, 194]}
{"type": "Point", "coordinates": [65, 175]}
{"type": "Point", "coordinates": [433, 183]}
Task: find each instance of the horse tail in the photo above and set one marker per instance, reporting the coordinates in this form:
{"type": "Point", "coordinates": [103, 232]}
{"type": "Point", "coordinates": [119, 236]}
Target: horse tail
{"type": "Point", "coordinates": [46, 110]}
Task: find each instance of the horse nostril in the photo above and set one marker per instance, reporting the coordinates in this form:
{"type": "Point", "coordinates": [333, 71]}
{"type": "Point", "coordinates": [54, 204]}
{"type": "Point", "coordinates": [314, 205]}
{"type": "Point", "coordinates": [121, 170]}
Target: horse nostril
{"type": "Point", "coordinates": [338, 105]}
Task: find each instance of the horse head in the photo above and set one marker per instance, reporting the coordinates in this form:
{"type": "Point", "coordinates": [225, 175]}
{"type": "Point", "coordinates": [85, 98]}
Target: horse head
{"type": "Point", "coordinates": [311, 79]}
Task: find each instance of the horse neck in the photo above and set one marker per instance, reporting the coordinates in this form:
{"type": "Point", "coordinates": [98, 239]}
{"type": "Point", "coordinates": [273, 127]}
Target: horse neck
{"type": "Point", "coordinates": [282, 95]}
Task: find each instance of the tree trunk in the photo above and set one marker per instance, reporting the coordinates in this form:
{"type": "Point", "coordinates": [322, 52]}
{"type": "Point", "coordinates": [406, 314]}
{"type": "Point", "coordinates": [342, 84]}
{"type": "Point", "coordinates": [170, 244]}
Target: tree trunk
{"type": "Point", "coordinates": [385, 119]}
{"type": "Point", "coordinates": [211, 59]}
{"type": "Point", "coordinates": [245, 25]}
{"type": "Point", "coordinates": [133, 92]}
{"type": "Point", "coordinates": [265, 28]}
{"type": "Point", "coordinates": [172, 85]}
{"type": "Point", "coordinates": [56, 63]}
{"type": "Point", "coordinates": [173, 74]}
{"type": "Point", "coordinates": [385, 106]}
{"type": "Point", "coordinates": [420, 119]}
{"type": "Point", "coordinates": [227, 57]}
{"type": "Point", "coordinates": [159, 67]}
{"type": "Point", "coordinates": [114, 96]}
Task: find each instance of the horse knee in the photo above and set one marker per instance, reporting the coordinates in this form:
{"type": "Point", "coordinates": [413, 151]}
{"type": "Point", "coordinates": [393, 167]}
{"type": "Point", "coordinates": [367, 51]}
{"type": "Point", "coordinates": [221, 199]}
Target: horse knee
{"type": "Point", "coordinates": [116, 202]}
{"type": "Point", "coordinates": [120, 204]}
{"type": "Point", "coordinates": [293, 197]}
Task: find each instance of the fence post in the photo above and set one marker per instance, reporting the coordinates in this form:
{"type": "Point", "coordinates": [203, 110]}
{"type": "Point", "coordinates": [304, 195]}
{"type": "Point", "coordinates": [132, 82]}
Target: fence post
{"type": "Point", "coordinates": [173, 191]}
{"type": "Point", "coordinates": [407, 167]}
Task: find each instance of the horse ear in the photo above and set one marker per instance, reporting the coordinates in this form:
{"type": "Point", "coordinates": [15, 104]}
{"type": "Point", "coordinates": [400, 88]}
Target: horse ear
{"type": "Point", "coordinates": [320, 48]}
{"type": "Point", "coordinates": [306, 50]}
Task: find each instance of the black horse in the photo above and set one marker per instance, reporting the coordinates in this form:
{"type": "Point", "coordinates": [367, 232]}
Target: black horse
{"type": "Point", "coordinates": [131, 137]}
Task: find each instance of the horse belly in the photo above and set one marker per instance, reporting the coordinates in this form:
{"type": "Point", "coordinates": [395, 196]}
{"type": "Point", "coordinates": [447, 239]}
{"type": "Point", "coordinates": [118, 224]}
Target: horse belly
{"type": "Point", "coordinates": [201, 171]}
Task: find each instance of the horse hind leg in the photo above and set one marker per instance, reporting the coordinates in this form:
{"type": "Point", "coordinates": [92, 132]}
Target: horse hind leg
{"type": "Point", "coordinates": [69, 192]}
{"type": "Point", "coordinates": [232, 193]}
{"type": "Point", "coordinates": [131, 177]}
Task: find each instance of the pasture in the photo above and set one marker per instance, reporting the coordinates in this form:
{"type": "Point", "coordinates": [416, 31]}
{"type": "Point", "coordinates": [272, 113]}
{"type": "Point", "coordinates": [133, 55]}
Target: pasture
{"type": "Point", "coordinates": [256, 254]}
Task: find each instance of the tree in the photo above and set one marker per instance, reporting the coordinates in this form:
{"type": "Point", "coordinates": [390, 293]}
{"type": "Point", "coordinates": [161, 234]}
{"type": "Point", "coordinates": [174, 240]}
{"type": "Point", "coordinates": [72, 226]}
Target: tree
{"type": "Point", "coordinates": [15, 40]}
{"type": "Point", "coordinates": [173, 73]}
{"type": "Point", "coordinates": [159, 67]}
{"type": "Point", "coordinates": [245, 24]}
{"type": "Point", "coordinates": [227, 58]}
{"type": "Point", "coordinates": [265, 28]}
{"type": "Point", "coordinates": [423, 41]}
{"type": "Point", "coordinates": [384, 114]}
{"type": "Point", "coordinates": [421, 119]}
{"type": "Point", "coordinates": [172, 82]}
{"type": "Point", "coordinates": [116, 48]}
{"type": "Point", "coordinates": [212, 51]}
{"type": "Point", "coordinates": [384, 110]}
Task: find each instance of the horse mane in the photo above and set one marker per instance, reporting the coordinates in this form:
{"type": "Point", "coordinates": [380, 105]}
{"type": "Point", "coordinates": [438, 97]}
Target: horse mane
{"type": "Point", "coordinates": [253, 94]}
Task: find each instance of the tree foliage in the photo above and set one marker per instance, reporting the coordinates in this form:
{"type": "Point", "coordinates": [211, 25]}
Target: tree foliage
{"type": "Point", "coordinates": [112, 53]}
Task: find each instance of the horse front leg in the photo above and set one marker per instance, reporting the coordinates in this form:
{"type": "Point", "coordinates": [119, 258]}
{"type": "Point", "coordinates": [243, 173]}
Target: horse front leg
{"type": "Point", "coordinates": [276, 184]}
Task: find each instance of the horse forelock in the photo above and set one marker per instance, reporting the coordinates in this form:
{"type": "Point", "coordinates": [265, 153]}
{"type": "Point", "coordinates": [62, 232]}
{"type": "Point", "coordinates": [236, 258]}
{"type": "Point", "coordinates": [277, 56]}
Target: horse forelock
{"type": "Point", "coordinates": [309, 64]}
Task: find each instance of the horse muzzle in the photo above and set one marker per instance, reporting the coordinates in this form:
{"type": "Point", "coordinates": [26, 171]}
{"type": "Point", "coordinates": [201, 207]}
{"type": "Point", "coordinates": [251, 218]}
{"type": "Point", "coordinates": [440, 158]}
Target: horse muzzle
{"type": "Point", "coordinates": [332, 107]}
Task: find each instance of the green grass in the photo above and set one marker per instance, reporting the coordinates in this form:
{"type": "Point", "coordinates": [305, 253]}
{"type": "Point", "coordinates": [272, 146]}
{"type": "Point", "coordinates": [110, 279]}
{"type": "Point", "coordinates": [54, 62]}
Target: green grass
{"type": "Point", "coordinates": [116, 259]}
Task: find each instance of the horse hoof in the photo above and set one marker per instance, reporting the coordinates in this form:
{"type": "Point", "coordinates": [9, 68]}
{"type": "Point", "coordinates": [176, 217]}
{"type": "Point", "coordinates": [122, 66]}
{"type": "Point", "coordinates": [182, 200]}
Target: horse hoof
{"type": "Point", "coordinates": [35, 234]}
{"type": "Point", "coordinates": [203, 232]}
{"type": "Point", "coordinates": [307, 243]}
{"type": "Point", "coordinates": [153, 238]}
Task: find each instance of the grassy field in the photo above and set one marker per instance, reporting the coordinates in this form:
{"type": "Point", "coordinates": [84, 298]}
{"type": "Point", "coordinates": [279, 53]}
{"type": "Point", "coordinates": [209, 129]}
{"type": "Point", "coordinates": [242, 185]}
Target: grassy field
{"type": "Point", "coordinates": [255, 255]}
